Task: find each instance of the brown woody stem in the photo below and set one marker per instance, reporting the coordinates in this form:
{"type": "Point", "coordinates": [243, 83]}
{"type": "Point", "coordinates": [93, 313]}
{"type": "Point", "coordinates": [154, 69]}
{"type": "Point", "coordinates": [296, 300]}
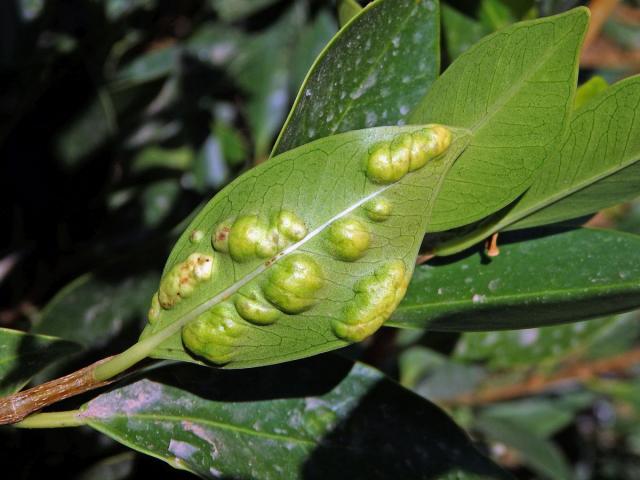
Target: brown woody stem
{"type": "Point", "coordinates": [16, 407]}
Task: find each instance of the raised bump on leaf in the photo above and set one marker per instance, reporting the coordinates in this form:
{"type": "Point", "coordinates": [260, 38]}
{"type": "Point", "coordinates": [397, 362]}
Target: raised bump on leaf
{"type": "Point", "coordinates": [349, 238]}
{"type": "Point", "coordinates": [290, 226]}
{"type": "Point", "coordinates": [250, 238]}
{"type": "Point", "coordinates": [196, 236]}
{"type": "Point", "coordinates": [215, 334]}
{"type": "Point", "coordinates": [427, 144]}
{"type": "Point", "coordinates": [183, 278]}
{"type": "Point", "coordinates": [293, 282]}
{"type": "Point", "coordinates": [254, 308]}
{"type": "Point", "coordinates": [220, 237]}
{"type": "Point", "coordinates": [154, 309]}
{"type": "Point", "coordinates": [376, 297]}
{"type": "Point", "coordinates": [389, 162]}
{"type": "Point", "coordinates": [378, 209]}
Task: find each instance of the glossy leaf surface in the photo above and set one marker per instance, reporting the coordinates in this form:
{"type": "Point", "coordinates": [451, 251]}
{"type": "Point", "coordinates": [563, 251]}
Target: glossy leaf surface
{"type": "Point", "coordinates": [326, 186]}
{"type": "Point", "coordinates": [22, 355]}
{"type": "Point", "coordinates": [514, 91]}
{"type": "Point", "coordinates": [370, 74]}
{"type": "Point", "coordinates": [560, 278]}
{"type": "Point", "coordinates": [321, 418]}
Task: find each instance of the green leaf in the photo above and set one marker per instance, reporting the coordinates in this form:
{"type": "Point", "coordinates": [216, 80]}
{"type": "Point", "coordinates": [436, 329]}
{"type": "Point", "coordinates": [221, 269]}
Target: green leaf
{"type": "Point", "coordinates": [353, 243]}
{"type": "Point", "coordinates": [146, 68]}
{"type": "Point", "coordinates": [347, 9]}
{"type": "Point", "coordinates": [261, 68]}
{"type": "Point", "coordinates": [232, 10]}
{"type": "Point", "coordinates": [597, 166]}
{"type": "Point", "coordinates": [312, 41]}
{"type": "Point", "coordinates": [569, 276]}
{"type": "Point", "coordinates": [117, 467]}
{"type": "Point", "coordinates": [542, 417]}
{"type": "Point", "coordinates": [156, 157]}
{"type": "Point", "coordinates": [460, 31]}
{"type": "Point", "coordinates": [514, 91]}
{"type": "Point", "coordinates": [539, 454]}
{"type": "Point", "coordinates": [370, 74]}
{"type": "Point", "coordinates": [437, 377]}
{"type": "Point", "coordinates": [96, 307]}
{"type": "Point", "coordinates": [22, 355]}
{"type": "Point", "coordinates": [589, 89]}
{"type": "Point", "coordinates": [495, 14]}
{"type": "Point", "coordinates": [322, 418]}
{"type": "Point", "coordinates": [543, 347]}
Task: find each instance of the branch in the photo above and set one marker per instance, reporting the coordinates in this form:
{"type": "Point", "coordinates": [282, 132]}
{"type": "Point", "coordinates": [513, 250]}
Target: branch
{"type": "Point", "coordinates": [16, 407]}
{"type": "Point", "coordinates": [572, 374]}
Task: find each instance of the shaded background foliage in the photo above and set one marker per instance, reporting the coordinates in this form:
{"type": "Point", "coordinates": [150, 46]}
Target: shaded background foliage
{"type": "Point", "coordinates": [118, 118]}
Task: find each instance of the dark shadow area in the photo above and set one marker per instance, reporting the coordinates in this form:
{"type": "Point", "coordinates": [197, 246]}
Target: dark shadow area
{"type": "Point", "coordinates": [313, 376]}
{"type": "Point", "coordinates": [395, 434]}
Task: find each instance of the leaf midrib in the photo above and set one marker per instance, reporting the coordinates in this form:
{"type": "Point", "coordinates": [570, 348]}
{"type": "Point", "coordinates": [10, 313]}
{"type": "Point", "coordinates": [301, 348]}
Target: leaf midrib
{"type": "Point", "coordinates": [199, 421]}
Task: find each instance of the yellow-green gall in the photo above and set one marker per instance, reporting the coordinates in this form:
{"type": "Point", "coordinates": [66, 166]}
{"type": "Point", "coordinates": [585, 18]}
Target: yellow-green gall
{"type": "Point", "coordinates": [381, 167]}
{"type": "Point", "coordinates": [378, 209]}
{"type": "Point", "coordinates": [250, 238]}
{"type": "Point", "coordinates": [427, 144]}
{"type": "Point", "coordinates": [389, 162]}
{"type": "Point", "coordinates": [215, 335]}
{"type": "Point", "coordinates": [293, 283]}
{"type": "Point", "coordinates": [376, 297]}
{"type": "Point", "coordinates": [183, 278]}
{"type": "Point", "coordinates": [196, 236]}
{"type": "Point", "coordinates": [220, 236]}
{"type": "Point", "coordinates": [254, 308]}
{"type": "Point", "coordinates": [400, 149]}
{"type": "Point", "coordinates": [154, 309]}
{"type": "Point", "coordinates": [349, 238]}
{"type": "Point", "coordinates": [289, 225]}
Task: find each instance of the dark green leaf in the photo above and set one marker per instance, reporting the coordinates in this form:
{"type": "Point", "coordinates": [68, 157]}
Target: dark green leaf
{"type": "Point", "coordinates": [514, 91]}
{"type": "Point", "coordinates": [261, 69]}
{"type": "Point", "coordinates": [148, 67]}
{"type": "Point", "coordinates": [232, 10]}
{"type": "Point", "coordinates": [495, 14]}
{"type": "Point", "coordinates": [311, 42]}
{"type": "Point", "coordinates": [542, 417]}
{"type": "Point", "coordinates": [460, 31]}
{"type": "Point", "coordinates": [323, 186]}
{"type": "Point", "coordinates": [95, 308]}
{"type": "Point", "coordinates": [322, 418]}
{"type": "Point", "coordinates": [565, 277]}
{"type": "Point", "coordinates": [543, 347]}
{"type": "Point", "coordinates": [435, 376]}
{"type": "Point", "coordinates": [23, 355]}
{"type": "Point", "coordinates": [117, 467]}
{"type": "Point", "coordinates": [539, 454]}
{"type": "Point", "coordinates": [370, 74]}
